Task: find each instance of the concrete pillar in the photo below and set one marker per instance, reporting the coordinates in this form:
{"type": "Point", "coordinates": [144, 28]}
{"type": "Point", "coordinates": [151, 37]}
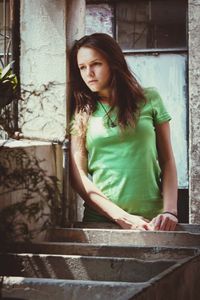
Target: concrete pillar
{"type": "Point", "coordinates": [75, 20]}
{"type": "Point", "coordinates": [76, 10]}
{"type": "Point", "coordinates": [194, 109]}
{"type": "Point", "coordinates": [43, 68]}
{"type": "Point", "coordinates": [75, 28]}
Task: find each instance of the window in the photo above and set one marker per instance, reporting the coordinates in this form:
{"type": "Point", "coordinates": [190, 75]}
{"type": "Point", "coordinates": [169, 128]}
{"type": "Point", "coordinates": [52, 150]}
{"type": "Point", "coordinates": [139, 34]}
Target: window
{"type": "Point", "coordinates": [144, 24]}
{"type": "Point", "coordinates": [140, 24]}
{"type": "Point", "coordinates": [9, 51]}
{"type": "Point", "coordinates": [5, 32]}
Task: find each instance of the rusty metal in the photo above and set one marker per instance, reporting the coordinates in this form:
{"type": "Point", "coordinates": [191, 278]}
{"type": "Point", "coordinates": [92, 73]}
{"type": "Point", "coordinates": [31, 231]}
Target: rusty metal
{"type": "Point", "coordinates": [54, 140]}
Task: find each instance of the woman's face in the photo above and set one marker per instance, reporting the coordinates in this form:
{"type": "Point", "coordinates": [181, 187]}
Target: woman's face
{"type": "Point", "coordinates": [95, 71]}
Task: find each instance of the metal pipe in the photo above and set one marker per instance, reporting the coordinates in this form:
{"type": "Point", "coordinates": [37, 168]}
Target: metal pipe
{"type": "Point", "coordinates": [4, 28]}
{"type": "Point", "coordinates": [20, 136]}
{"type": "Point", "coordinates": [65, 195]}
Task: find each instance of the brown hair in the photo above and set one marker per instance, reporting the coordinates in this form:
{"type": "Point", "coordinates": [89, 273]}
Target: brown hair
{"type": "Point", "coordinates": [126, 95]}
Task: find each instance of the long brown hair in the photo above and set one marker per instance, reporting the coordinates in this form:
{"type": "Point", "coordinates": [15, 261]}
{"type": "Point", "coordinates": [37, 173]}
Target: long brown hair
{"type": "Point", "coordinates": [126, 94]}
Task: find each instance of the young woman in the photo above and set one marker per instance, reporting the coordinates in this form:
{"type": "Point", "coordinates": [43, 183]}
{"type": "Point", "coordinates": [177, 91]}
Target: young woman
{"type": "Point", "coordinates": [122, 163]}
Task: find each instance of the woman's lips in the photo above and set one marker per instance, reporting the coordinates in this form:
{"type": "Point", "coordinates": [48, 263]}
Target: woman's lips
{"type": "Point", "coordinates": [92, 81]}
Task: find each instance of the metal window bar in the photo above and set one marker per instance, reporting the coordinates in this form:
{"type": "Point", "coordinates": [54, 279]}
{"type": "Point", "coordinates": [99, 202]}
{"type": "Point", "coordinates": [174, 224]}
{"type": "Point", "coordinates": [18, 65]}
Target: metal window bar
{"type": "Point", "coordinates": [7, 9]}
{"type": "Point", "coordinates": [9, 48]}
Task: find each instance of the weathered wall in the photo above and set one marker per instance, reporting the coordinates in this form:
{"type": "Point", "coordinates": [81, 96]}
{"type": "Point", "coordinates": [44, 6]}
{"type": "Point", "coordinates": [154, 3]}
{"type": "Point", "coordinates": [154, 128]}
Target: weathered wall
{"type": "Point", "coordinates": [30, 188]}
{"type": "Point", "coordinates": [43, 68]}
{"type": "Point", "coordinates": [194, 110]}
{"type": "Point", "coordinates": [31, 180]}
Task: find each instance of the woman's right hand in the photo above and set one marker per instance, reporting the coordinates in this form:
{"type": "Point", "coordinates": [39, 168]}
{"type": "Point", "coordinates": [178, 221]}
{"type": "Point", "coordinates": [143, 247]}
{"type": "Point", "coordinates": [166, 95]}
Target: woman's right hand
{"type": "Point", "coordinates": [128, 221]}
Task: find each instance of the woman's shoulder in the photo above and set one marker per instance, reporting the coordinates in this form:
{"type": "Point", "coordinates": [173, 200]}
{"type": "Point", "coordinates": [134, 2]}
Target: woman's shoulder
{"type": "Point", "coordinates": [156, 105]}
{"type": "Point", "coordinates": [151, 93]}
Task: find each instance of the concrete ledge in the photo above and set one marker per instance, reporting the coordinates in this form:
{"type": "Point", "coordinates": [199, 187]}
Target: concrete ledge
{"type": "Point", "coordinates": [124, 237]}
{"type": "Point", "coordinates": [148, 252]}
{"type": "Point", "coordinates": [193, 228]}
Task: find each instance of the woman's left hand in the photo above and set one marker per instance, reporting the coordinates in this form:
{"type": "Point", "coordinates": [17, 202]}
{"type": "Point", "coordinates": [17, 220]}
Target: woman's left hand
{"type": "Point", "coordinates": [165, 222]}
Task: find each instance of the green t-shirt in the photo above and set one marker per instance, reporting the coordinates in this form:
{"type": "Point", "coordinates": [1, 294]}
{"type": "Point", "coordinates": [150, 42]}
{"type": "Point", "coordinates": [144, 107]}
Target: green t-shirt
{"type": "Point", "coordinates": [124, 166]}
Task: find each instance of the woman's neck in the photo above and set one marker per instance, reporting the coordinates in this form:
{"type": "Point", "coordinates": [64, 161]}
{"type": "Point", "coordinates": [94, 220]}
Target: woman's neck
{"type": "Point", "coordinates": [104, 99]}
{"type": "Point", "coordinates": [105, 96]}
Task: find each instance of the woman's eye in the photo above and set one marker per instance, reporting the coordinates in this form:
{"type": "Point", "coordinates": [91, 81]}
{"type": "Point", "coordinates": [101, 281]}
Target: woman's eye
{"type": "Point", "coordinates": [82, 68]}
{"type": "Point", "coordinates": [97, 64]}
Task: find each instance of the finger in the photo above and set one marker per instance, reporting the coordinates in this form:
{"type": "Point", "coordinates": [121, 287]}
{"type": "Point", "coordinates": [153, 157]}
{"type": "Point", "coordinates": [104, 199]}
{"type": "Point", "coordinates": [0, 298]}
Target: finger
{"type": "Point", "coordinates": [135, 227]}
{"type": "Point", "coordinates": [149, 227]}
{"type": "Point", "coordinates": [158, 222]}
{"type": "Point", "coordinates": [166, 224]}
{"type": "Point", "coordinates": [173, 226]}
{"type": "Point", "coordinates": [142, 229]}
{"type": "Point", "coordinates": [152, 222]}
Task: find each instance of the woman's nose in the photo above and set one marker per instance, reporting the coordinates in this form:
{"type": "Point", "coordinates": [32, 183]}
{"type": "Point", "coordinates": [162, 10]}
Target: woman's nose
{"type": "Point", "coordinates": [90, 71]}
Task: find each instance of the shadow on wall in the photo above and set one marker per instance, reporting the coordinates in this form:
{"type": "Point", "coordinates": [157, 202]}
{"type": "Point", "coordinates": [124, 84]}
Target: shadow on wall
{"type": "Point", "coordinates": [30, 199]}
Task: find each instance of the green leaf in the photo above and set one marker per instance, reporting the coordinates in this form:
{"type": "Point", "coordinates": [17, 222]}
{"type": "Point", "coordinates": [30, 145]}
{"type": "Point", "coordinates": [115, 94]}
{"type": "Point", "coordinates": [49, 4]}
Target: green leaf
{"type": "Point", "coordinates": [6, 70]}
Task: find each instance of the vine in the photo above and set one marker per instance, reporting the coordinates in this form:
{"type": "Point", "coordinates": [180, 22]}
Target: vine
{"type": "Point", "coordinates": [40, 203]}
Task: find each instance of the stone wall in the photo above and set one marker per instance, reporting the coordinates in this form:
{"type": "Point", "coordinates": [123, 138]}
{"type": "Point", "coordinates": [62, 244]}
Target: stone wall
{"type": "Point", "coordinates": [194, 110]}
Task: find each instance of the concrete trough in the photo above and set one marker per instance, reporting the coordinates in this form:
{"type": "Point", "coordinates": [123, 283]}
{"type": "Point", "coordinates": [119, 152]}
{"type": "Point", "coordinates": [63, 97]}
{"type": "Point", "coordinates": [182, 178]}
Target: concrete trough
{"type": "Point", "coordinates": [81, 267]}
{"type": "Point", "coordinates": [84, 249]}
{"type": "Point", "coordinates": [124, 237]}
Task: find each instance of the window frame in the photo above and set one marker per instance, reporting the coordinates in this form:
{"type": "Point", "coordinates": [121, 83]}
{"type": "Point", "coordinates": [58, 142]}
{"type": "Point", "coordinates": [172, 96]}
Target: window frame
{"type": "Point", "coordinates": [154, 51]}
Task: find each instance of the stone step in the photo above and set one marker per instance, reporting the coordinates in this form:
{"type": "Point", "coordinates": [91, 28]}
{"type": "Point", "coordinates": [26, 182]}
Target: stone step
{"type": "Point", "coordinates": [180, 281]}
{"type": "Point", "coordinates": [85, 249]}
{"type": "Point", "coordinates": [124, 237]}
{"type": "Point", "coordinates": [82, 267]}
{"type": "Point", "coordinates": [58, 289]}
{"type": "Point", "coordinates": [104, 263]}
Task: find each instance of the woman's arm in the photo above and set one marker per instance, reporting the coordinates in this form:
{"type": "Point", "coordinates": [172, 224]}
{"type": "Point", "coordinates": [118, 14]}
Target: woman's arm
{"type": "Point", "coordinates": [166, 221]}
{"type": "Point", "coordinates": [92, 195]}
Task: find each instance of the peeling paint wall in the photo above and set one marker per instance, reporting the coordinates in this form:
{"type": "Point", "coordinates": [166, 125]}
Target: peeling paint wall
{"type": "Point", "coordinates": [43, 68]}
{"type": "Point", "coordinates": [194, 110]}
{"type": "Point", "coordinates": [101, 15]}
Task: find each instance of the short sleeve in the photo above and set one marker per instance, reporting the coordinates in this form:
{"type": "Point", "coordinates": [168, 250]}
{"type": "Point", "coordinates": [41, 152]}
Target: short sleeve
{"type": "Point", "coordinates": [159, 112]}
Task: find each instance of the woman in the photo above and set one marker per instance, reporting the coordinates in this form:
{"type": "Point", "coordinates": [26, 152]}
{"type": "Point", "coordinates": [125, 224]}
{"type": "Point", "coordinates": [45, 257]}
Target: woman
{"type": "Point", "coordinates": [120, 132]}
